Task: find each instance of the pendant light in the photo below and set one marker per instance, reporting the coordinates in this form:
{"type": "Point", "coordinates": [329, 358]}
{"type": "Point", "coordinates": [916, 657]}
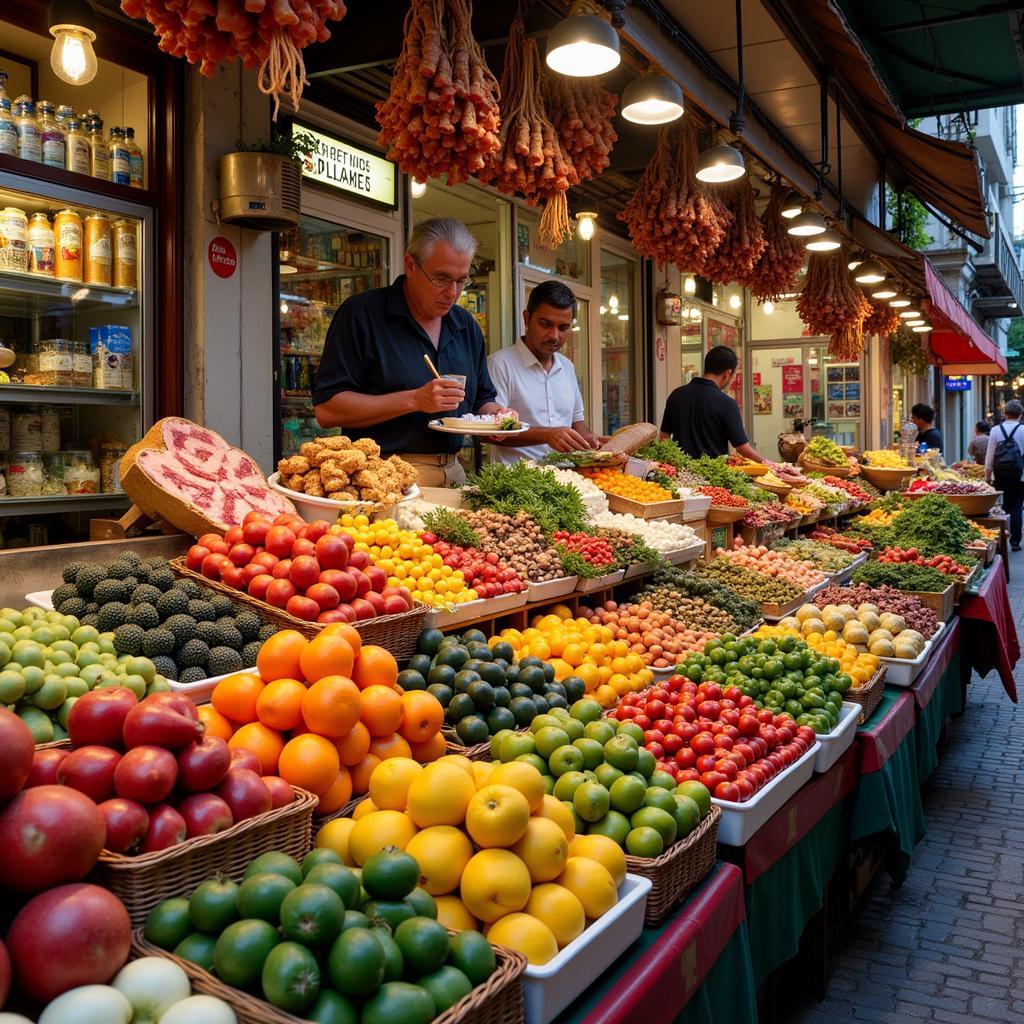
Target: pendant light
{"type": "Point", "coordinates": [899, 302]}
{"type": "Point", "coordinates": [723, 162]}
{"type": "Point", "coordinates": [810, 222]}
{"type": "Point", "coordinates": [869, 272]}
{"type": "Point", "coordinates": [884, 291]}
{"type": "Point", "coordinates": [922, 328]}
{"type": "Point", "coordinates": [793, 206]}
{"type": "Point", "coordinates": [826, 241]}
{"type": "Point", "coordinates": [417, 188]}
{"type": "Point", "coordinates": [910, 314]}
{"type": "Point", "coordinates": [586, 221]}
{"type": "Point", "coordinates": [582, 45]}
{"type": "Point", "coordinates": [73, 27]}
{"type": "Point", "coordinates": [653, 99]}
{"type": "Point", "coordinates": [915, 323]}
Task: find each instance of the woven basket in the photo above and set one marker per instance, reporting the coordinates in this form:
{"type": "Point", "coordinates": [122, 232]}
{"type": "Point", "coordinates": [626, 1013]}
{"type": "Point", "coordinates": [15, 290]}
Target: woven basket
{"type": "Point", "coordinates": [843, 472]}
{"type": "Point", "coordinates": [343, 812]}
{"type": "Point", "coordinates": [398, 633]}
{"type": "Point", "coordinates": [868, 696]}
{"type": "Point", "coordinates": [453, 745]}
{"type": "Point", "coordinates": [679, 870]}
{"type": "Point", "coordinates": [499, 1000]}
{"type": "Point", "coordinates": [780, 489]}
{"type": "Point", "coordinates": [141, 882]}
{"type": "Point", "coordinates": [719, 515]}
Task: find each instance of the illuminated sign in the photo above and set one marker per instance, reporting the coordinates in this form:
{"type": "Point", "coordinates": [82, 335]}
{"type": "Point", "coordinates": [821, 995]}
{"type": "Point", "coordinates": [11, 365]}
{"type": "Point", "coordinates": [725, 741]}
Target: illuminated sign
{"type": "Point", "coordinates": [344, 166]}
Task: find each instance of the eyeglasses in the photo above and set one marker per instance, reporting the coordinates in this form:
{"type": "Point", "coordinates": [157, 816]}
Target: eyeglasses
{"type": "Point", "coordinates": [442, 281]}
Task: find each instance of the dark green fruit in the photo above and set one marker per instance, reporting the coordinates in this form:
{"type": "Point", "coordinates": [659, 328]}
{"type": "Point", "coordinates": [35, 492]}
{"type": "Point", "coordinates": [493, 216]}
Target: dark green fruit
{"type": "Point", "coordinates": [312, 914]}
{"type": "Point", "coordinates": [398, 1002]}
{"type": "Point", "coordinates": [339, 878]}
{"type": "Point", "coordinates": [242, 950]}
{"type": "Point", "coordinates": [277, 862]}
{"type": "Point", "coordinates": [212, 907]}
{"type": "Point", "coordinates": [447, 985]}
{"type": "Point", "coordinates": [390, 874]}
{"type": "Point", "coordinates": [317, 856]}
{"type": "Point", "coordinates": [472, 954]}
{"type": "Point", "coordinates": [424, 944]}
{"type": "Point", "coordinates": [291, 977]}
{"type": "Point", "coordinates": [168, 924]}
{"type": "Point", "coordinates": [198, 949]}
{"type": "Point", "coordinates": [260, 896]}
{"type": "Point", "coordinates": [357, 962]}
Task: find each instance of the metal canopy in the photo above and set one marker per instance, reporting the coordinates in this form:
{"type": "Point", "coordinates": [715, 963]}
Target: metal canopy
{"type": "Point", "coordinates": [944, 57]}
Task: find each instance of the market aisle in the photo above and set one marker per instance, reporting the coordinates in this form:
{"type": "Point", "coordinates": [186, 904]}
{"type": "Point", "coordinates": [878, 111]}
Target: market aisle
{"type": "Point", "coordinates": [949, 945]}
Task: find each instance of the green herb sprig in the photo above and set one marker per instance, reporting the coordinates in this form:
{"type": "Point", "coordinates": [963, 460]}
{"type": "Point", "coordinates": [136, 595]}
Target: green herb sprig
{"type": "Point", "coordinates": [449, 526]}
{"type": "Point", "coordinates": [902, 576]}
{"type": "Point", "coordinates": [520, 488]}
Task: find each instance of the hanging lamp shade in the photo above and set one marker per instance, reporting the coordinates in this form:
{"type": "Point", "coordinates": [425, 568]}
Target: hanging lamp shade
{"type": "Point", "coordinates": [922, 328]}
{"type": "Point", "coordinates": [884, 291]}
{"type": "Point", "coordinates": [869, 272]}
{"type": "Point", "coordinates": [720, 164]}
{"type": "Point", "coordinates": [793, 206]}
{"type": "Point", "coordinates": [807, 223]}
{"type": "Point", "coordinates": [825, 241]}
{"type": "Point", "coordinates": [582, 46]}
{"type": "Point", "coordinates": [654, 99]}
{"type": "Point", "coordinates": [899, 302]}
{"type": "Point", "coordinates": [910, 314]}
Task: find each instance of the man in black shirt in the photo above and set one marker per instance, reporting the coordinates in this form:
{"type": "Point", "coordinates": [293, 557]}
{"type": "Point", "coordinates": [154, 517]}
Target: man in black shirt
{"type": "Point", "coordinates": [701, 418]}
{"type": "Point", "coordinates": [923, 417]}
{"type": "Point", "coordinates": [373, 380]}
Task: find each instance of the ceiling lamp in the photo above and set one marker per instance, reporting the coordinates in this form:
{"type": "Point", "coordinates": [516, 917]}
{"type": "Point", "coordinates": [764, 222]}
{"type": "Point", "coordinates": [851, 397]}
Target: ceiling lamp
{"type": "Point", "coordinates": [722, 163]}
{"type": "Point", "coordinates": [73, 28]}
{"type": "Point", "coordinates": [583, 45]}
{"type": "Point", "coordinates": [884, 291]}
{"type": "Point", "coordinates": [793, 206]}
{"type": "Point", "coordinates": [899, 302]}
{"type": "Point", "coordinates": [915, 323]}
{"type": "Point", "coordinates": [653, 99]}
{"type": "Point", "coordinates": [870, 272]}
{"type": "Point", "coordinates": [807, 223]}
{"type": "Point", "coordinates": [417, 188]}
{"type": "Point", "coordinates": [922, 328]}
{"type": "Point", "coordinates": [826, 241]}
{"type": "Point", "coordinates": [909, 314]}
{"type": "Point", "coordinates": [586, 221]}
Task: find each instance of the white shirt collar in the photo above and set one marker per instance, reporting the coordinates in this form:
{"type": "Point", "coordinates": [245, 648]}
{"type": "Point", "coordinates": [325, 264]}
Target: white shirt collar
{"type": "Point", "coordinates": [529, 359]}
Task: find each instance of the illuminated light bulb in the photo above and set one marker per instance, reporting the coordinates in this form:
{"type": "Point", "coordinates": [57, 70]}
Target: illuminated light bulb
{"type": "Point", "coordinates": [623, 316]}
{"type": "Point", "coordinates": [909, 314]}
{"type": "Point", "coordinates": [735, 302]}
{"type": "Point", "coordinates": [869, 272]}
{"type": "Point", "coordinates": [720, 164]}
{"type": "Point", "coordinates": [586, 223]}
{"type": "Point", "coordinates": [583, 45]}
{"type": "Point", "coordinates": [793, 205]}
{"type": "Point", "coordinates": [806, 224]}
{"type": "Point", "coordinates": [73, 28]}
{"type": "Point", "coordinates": [603, 310]}
{"type": "Point", "coordinates": [886, 291]}
{"type": "Point", "coordinates": [690, 286]}
{"type": "Point", "coordinates": [654, 99]}
{"type": "Point", "coordinates": [417, 189]}
{"type": "Point", "coordinates": [613, 301]}
{"type": "Point", "coordinates": [769, 308]}
{"type": "Point", "coordinates": [916, 323]}
{"type": "Point", "coordinates": [899, 302]}
{"type": "Point", "coordinates": [284, 309]}
{"type": "Point", "coordinates": [922, 329]}
{"type": "Point", "coordinates": [827, 241]}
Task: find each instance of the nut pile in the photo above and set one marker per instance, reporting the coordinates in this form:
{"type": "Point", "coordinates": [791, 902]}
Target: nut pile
{"type": "Point", "coordinates": [346, 470]}
{"type": "Point", "coordinates": [917, 616]}
{"type": "Point", "coordinates": [519, 543]}
{"type": "Point", "coordinates": [694, 612]}
{"type": "Point", "coordinates": [656, 636]}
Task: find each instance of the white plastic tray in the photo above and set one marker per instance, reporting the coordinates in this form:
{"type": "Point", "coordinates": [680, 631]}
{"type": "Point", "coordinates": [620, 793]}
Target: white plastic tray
{"type": "Point", "coordinates": [551, 589]}
{"type": "Point", "coordinates": [549, 988]}
{"type": "Point", "coordinates": [687, 554]}
{"type": "Point", "coordinates": [41, 599]}
{"type": "Point", "coordinates": [740, 821]}
{"type": "Point", "coordinates": [609, 579]}
{"type": "Point", "coordinates": [696, 507]}
{"type": "Point", "coordinates": [835, 743]}
{"type": "Point", "coordinates": [438, 618]}
{"type": "Point", "coordinates": [199, 691]}
{"type": "Point", "coordinates": [837, 579]}
{"type": "Point", "coordinates": [638, 569]}
{"type": "Point", "coordinates": [902, 672]}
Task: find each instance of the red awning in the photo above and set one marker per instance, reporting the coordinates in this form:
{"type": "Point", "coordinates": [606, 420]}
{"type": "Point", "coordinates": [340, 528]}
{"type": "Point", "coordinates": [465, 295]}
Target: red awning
{"type": "Point", "coordinates": [956, 339]}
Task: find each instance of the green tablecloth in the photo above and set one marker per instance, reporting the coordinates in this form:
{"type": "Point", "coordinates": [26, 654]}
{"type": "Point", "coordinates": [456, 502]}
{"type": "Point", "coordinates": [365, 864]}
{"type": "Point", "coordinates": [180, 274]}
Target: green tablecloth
{"type": "Point", "coordinates": [728, 994]}
{"type": "Point", "coordinates": [946, 701]}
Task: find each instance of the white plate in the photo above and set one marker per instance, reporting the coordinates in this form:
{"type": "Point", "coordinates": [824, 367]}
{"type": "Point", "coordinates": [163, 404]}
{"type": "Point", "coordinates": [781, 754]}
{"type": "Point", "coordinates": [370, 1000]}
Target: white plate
{"type": "Point", "coordinates": [549, 988]}
{"type": "Point", "coordinates": [835, 743]}
{"type": "Point", "coordinates": [478, 428]}
{"type": "Point", "coordinates": [199, 691]}
{"type": "Point", "coordinates": [442, 618]}
{"type": "Point", "coordinates": [41, 599]}
{"type": "Point", "coordinates": [312, 508]}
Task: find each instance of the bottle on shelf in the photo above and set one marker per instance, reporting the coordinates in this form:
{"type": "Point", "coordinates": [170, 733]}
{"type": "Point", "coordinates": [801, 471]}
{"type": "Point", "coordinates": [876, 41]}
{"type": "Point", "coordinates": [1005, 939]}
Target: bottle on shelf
{"type": "Point", "coordinates": [76, 147]}
{"type": "Point", "coordinates": [51, 136]}
{"type": "Point", "coordinates": [30, 143]}
{"type": "Point", "coordinates": [8, 129]}
{"type": "Point", "coordinates": [65, 114]}
{"type": "Point", "coordinates": [99, 151]}
{"type": "Point", "coordinates": [120, 158]}
{"type": "Point", "coordinates": [137, 160]}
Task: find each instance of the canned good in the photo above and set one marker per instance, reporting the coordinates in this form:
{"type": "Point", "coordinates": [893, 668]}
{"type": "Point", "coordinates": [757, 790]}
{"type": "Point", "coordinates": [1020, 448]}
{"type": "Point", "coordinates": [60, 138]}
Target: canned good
{"type": "Point", "coordinates": [67, 252]}
{"type": "Point", "coordinates": [110, 467]}
{"type": "Point", "coordinates": [27, 430]}
{"type": "Point", "coordinates": [57, 363]}
{"type": "Point", "coordinates": [96, 242]}
{"type": "Point", "coordinates": [13, 239]}
{"type": "Point", "coordinates": [125, 247]}
{"type": "Point", "coordinates": [49, 428]}
{"type": "Point", "coordinates": [24, 474]}
{"type": "Point", "coordinates": [40, 245]}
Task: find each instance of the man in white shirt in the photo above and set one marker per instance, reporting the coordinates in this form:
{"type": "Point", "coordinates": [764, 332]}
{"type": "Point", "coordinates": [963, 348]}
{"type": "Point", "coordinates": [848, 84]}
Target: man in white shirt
{"type": "Point", "coordinates": [536, 380]}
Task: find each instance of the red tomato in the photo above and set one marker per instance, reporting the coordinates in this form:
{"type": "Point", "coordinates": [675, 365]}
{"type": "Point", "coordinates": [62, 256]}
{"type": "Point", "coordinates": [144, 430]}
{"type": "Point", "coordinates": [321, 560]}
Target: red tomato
{"type": "Point", "coordinates": [703, 743]}
{"type": "Point", "coordinates": [672, 743]}
{"type": "Point", "coordinates": [726, 767]}
{"type": "Point", "coordinates": [706, 763]}
{"type": "Point", "coordinates": [748, 725]}
{"type": "Point", "coordinates": [712, 779]}
{"type": "Point", "coordinates": [685, 731]}
{"type": "Point", "coordinates": [686, 758]}
{"type": "Point", "coordinates": [728, 791]}
{"type": "Point", "coordinates": [687, 775]}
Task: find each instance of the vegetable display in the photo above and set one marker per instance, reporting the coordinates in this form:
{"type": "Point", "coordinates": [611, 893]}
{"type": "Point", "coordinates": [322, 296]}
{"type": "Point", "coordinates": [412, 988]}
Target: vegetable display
{"type": "Point", "coordinates": [825, 451]}
{"type": "Point", "coordinates": [859, 665]}
{"type": "Point", "coordinates": [775, 273]}
{"type": "Point", "coordinates": [658, 637]}
{"type": "Point", "coordinates": [911, 556]}
{"type": "Point", "coordinates": [447, 525]}
{"type": "Point", "coordinates": [902, 576]}
{"type": "Point", "coordinates": [625, 485]}
{"type": "Point", "coordinates": [692, 613]}
{"type": "Point", "coordinates": [744, 243]}
{"type": "Point", "coordinates": [916, 616]}
{"type": "Point", "coordinates": [441, 116]}
{"type": "Point", "coordinates": [831, 303]}
{"type": "Point", "coordinates": [519, 542]}
{"type": "Point", "coordinates": [721, 498]}
{"type": "Point", "coordinates": [749, 583]}
{"type": "Point", "coordinates": [521, 488]}
{"type": "Point", "coordinates": [867, 629]}
{"type": "Point", "coordinates": [772, 563]}
{"type": "Point", "coordinates": [822, 556]}
{"type": "Point", "coordinates": [934, 526]}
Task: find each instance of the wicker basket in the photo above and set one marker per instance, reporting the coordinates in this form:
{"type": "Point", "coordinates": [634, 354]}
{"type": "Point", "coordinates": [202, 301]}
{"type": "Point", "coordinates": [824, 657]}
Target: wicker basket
{"type": "Point", "coordinates": [780, 489]}
{"type": "Point", "coordinates": [499, 1000]}
{"type": "Point", "coordinates": [343, 812]}
{"type": "Point", "coordinates": [398, 633]}
{"type": "Point", "coordinates": [719, 515]}
{"type": "Point", "coordinates": [679, 870]}
{"type": "Point", "coordinates": [887, 478]}
{"type": "Point", "coordinates": [969, 504]}
{"type": "Point", "coordinates": [843, 472]}
{"type": "Point", "coordinates": [868, 696]}
{"type": "Point", "coordinates": [453, 745]}
{"type": "Point", "coordinates": [646, 509]}
{"type": "Point", "coordinates": [141, 882]}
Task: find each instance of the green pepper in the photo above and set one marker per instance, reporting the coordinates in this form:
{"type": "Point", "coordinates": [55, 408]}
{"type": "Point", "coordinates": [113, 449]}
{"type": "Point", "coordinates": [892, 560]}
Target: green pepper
{"type": "Point", "coordinates": [843, 683]}
{"type": "Point", "coordinates": [773, 668]}
{"type": "Point", "coordinates": [694, 673]}
{"type": "Point", "coordinates": [792, 660]}
{"type": "Point", "coordinates": [793, 707]}
{"type": "Point", "coordinates": [812, 700]}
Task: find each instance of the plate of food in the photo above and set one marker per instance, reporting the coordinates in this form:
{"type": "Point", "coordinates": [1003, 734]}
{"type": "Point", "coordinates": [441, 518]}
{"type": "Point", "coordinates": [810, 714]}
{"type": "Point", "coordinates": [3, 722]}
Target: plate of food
{"type": "Point", "coordinates": [479, 424]}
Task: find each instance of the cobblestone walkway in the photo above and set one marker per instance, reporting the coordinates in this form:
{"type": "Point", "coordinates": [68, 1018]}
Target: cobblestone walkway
{"type": "Point", "coordinates": [949, 945]}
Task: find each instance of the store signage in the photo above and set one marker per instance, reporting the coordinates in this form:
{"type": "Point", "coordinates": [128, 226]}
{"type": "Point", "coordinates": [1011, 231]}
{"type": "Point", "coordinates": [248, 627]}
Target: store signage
{"type": "Point", "coordinates": [222, 256]}
{"type": "Point", "coordinates": [792, 380]}
{"type": "Point", "coordinates": [344, 166]}
{"type": "Point", "coordinates": [783, 360]}
{"type": "Point", "coordinates": [958, 383]}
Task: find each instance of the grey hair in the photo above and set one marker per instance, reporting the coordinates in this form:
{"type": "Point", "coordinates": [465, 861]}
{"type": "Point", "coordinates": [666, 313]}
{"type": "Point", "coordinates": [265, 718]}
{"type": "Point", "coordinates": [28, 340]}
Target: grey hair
{"type": "Point", "coordinates": [447, 230]}
{"type": "Point", "coordinates": [1013, 408]}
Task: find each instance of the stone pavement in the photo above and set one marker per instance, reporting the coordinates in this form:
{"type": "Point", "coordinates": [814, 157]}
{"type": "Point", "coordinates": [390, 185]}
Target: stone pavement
{"type": "Point", "coordinates": [948, 947]}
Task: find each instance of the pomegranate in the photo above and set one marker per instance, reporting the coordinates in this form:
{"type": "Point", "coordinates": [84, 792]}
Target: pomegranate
{"type": "Point", "coordinates": [127, 822]}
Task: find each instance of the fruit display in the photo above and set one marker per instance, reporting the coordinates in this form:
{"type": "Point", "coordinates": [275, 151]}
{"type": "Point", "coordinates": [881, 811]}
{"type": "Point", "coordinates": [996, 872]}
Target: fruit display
{"type": "Point", "coordinates": [774, 564]}
{"type": "Point", "coordinates": [490, 845]}
{"type": "Point", "coordinates": [670, 589]}
{"type": "Point", "coordinates": [825, 451]}
{"type": "Point", "coordinates": [519, 488]}
{"type": "Point", "coordinates": [855, 490]}
{"type": "Point", "coordinates": [902, 576]}
{"type": "Point", "coordinates": [594, 499]}
{"type": "Point", "coordinates": [480, 687]}
{"type": "Point", "coordinates": [884, 458]}
{"type": "Point", "coordinates": [346, 470]}
{"type": "Point", "coordinates": [624, 485]}
{"type": "Point", "coordinates": [186, 630]}
{"type": "Point", "coordinates": [693, 613]}
{"type": "Point", "coordinates": [951, 487]}
{"type": "Point", "coordinates": [822, 556]}
{"type": "Point", "coordinates": [597, 552]}
{"type": "Point", "coordinates": [658, 534]}
{"type": "Point", "coordinates": [842, 541]}
{"type": "Point", "coordinates": [911, 556]}
{"type": "Point", "coordinates": [702, 729]}
{"type": "Point", "coordinates": [771, 513]}
{"type": "Point", "coordinates": [658, 638]}
{"type": "Point", "coordinates": [482, 573]}
{"type": "Point", "coordinates": [322, 713]}
{"type": "Point", "coordinates": [749, 583]}
{"type": "Point", "coordinates": [876, 517]}
{"type": "Point", "coordinates": [312, 571]}
{"type": "Point", "coordinates": [715, 473]}
{"type": "Point", "coordinates": [835, 499]}
{"type": "Point", "coordinates": [325, 941]}
{"type": "Point", "coordinates": [803, 503]}
{"type": "Point", "coordinates": [917, 616]}
{"type": "Point", "coordinates": [519, 542]}
{"type": "Point", "coordinates": [868, 630]}
{"type": "Point", "coordinates": [721, 498]}
{"type": "Point", "coordinates": [49, 660]}
{"type": "Point", "coordinates": [861, 666]}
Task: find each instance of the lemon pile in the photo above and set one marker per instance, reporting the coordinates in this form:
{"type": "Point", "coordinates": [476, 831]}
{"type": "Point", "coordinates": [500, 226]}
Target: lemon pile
{"type": "Point", "coordinates": [494, 850]}
{"type": "Point", "coordinates": [576, 647]}
{"type": "Point", "coordinates": [883, 458]}
{"type": "Point", "coordinates": [408, 561]}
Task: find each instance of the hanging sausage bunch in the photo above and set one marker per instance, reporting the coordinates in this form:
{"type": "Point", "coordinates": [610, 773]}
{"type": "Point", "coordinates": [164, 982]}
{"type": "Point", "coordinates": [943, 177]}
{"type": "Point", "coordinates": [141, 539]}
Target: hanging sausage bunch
{"type": "Point", "coordinates": [775, 272]}
{"type": "Point", "coordinates": [531, 161]}
{"type": "Point", "coordinates": [441, 116]}
{"type": "Point", "coordinates": [744, 242]}
{"type": "Point", "coordinates": [831, 303]}
{"type": "Point", "coordinates": [883, 320]}
{"type": "Point", "coordinates": [581, 111]}
{"type": "Point", "coordinates": [672, 217]}
{"type": "Point", "coordinates": [267, 34]}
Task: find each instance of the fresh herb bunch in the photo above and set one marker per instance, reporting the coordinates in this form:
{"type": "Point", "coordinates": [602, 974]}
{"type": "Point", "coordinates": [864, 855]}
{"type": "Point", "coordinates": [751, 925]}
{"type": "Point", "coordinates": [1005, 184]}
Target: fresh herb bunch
{"type": "Point", "coordinates": [743, 612]}
{"type": "Point", "coordinates": [718, 474]}
{"type": "Point", "coordinates": [629, 548]}
{"type": "Point", "coordinates": [664, 451]}
{"type": "Point", "coordinates": [902, 576]}
{"type": "Point", "coordinates": [891, 502]}
{"type": "Point", "coordinates": [584, 458]}
{"type": "Point", "coordinates": [934, 526]}
{"type": "Point", "coordinates": [520, 488]}
{"type": "Point", "coordinates": [448, 525]}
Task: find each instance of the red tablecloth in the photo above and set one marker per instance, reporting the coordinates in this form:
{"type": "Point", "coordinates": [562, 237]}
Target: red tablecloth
{"type": "Point", "coordinates": [879, 739]}
{"type": "Point", "coordinates": [662, 979]}
{"type": "Point", "coordinates": [924, 685]}
{"type": "Point", "coordinates": [989, 634]}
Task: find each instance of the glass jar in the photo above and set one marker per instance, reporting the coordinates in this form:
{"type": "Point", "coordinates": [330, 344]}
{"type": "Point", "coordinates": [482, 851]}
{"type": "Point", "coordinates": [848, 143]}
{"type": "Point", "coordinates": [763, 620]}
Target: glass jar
{"type": "Point", "coordinates": [64, 115]}
{"type": "Point", "coordinates": [26, 429]}
{"type": "Point", "coordinates": [8, 129]}
{"type": "Point", "coordinates": [120, 158]}
{"type": "Point", "coordinates": [51, 136]}
{"type": "Point", "coordinates": [30, 143]}
{"type": "Point", "coordinates": [49, 428]}
{"type": "Point", "coordinates": [82, 475]}
{"type": "Point", "coordinates": [56, 363]}
{"type": "Point", "coordinates": [13, 239]}
{"type": "Point", "coordinates": [24, 474]}
{"type": "Point", "coordinates": [110, 467]}
{"type": "Point", "coordinates": [76, 147]}
{"type": "Point", "coordinates": [99, 151]}
{"type": "Point", "coordinates": [82, 364]}
{"type": "Point", "coordinates": [54, 468]}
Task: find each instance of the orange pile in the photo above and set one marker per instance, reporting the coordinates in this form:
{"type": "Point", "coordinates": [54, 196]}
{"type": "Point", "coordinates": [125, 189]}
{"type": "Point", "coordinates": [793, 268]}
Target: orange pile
{"type": "Point", "coordinates": [323, 713]}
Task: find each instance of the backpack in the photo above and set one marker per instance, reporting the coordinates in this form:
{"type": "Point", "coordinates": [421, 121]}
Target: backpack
{"type": "Point", "coordinates": [1008, 463]}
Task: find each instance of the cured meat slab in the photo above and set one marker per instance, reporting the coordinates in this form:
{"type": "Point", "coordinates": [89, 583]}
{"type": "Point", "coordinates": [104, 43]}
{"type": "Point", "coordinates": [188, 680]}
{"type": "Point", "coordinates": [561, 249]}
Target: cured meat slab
{"type": "Point", "coordinates": [192, 478]}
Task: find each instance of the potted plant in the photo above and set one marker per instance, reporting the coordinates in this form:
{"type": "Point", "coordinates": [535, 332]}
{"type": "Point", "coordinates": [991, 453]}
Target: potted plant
{"type": "Point", "coordinates": [261, 183]}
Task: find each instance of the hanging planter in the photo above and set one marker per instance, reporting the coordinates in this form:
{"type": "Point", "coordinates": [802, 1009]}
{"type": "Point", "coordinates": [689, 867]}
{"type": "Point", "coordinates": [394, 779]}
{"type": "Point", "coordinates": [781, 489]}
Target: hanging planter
{"type": "Point", "coordinates": [261, 184]}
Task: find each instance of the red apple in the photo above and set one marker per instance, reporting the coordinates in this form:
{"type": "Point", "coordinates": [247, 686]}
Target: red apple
{"type": "Point", "coordinates": [324, 595]}
{"type": "Point", "coordinates": [255, 531]}
{"type": "Point", "coordinates": [363, 609]}
{"type": "Point", "coordinates": [282, 569]}
{"type": "Point", "coordinates": [166, 828]}
{"type": "Point", "coordinates": [281, 794]}
{"type": "Point", "coordinates": [304, 572]}
{"type": "Point", "coordinates": [241, 758]}
{"type": "Point", "coordinates": [44, 767]}
{"type": "Point", "coordinates": [348, 611]}
{"type": "Point", "coordinates": [303, 546]}
{"type": "Point", "coordinates": [90, 770]}
{"type": "Point", "coordinates": [378, 602]}
{"type": "Point", "coordinates": [211, 565]}
{"type": "Point", "coordinates": [127, 822]}
{"type": "Point", "coordinates": [162, 723]}
{"type": "Point", "coordinates": [177, 702]}
{"type": "Point", "coordinates": [245, 793]}
{"type": "Point", "coordinates": [279, 541]}
{"type": "Point", "coordinates": [195, 556]}
{"type": "Point", "coordinates": [202, 765]}
{"type": "Point", "coordinates": [317, 529]}
{"type": "Point", "coordinates": [205, 814]}
{"type": "Point", "coordinates": [259, 585]}
{"type": "Point", "coordinates": [349, 541]}
{"type": "Point", "coordinates": [98, 716]}
{"type": "Point", "coordinates": [378, 578]}
{"type": "Point", "coordinates": [332, 615]}
{"type": "Point", "coordinates": [146, 774]}
{"type": "Point", "coordinates": [266, 559]}
{"type": "Point", "coordinates": [395, 605]}
{"type": "Point", "coordinates": [343, 582]}
{"type": "Point", "coordinates": [233, 535]}
{"type": "Point", "coordinates": [242, 554]}
{"type": "Point", "coordinates": [232, 576]}
{"type": "Point", "coordinates": [332, 551]}
{"type": "Point", "coordinates": [363, 585]}
{"type": "Point", "coordinates": [357, 559]}
{"type": "Point", "coordinates": [279, 593]}
{"type": "Point", "coordinates": [302, 608]}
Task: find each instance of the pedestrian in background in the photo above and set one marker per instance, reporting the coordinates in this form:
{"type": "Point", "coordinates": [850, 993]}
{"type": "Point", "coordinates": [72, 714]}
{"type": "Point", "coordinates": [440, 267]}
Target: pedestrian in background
{"type": "Point", "coordinates": [977, 447]}
{"type": "Point", "coordinates": [1004, 465]}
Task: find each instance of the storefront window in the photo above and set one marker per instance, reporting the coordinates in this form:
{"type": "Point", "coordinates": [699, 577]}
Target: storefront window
{"type": "Point", "coordinates": [570, 260]}
{"type": "Point", "coordinates": [727, 332]}
{"type": "Point", "coordinates": [691, 347]}
{"type": "Point", "coordinates": [619, 318]}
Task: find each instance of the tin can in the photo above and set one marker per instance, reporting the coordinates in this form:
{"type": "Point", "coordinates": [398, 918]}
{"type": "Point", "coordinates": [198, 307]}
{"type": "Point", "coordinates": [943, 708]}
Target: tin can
{"type": "Point", "coordinates": [40, 245]}
{"type": "Point", "coordinates": [96, 243]}
{"type": "Point", "coordinates": [13, 239]}
{"type": "Point", "coordinates": [67, 249]}
{"type": "Point", "coordinates": [125, 246]}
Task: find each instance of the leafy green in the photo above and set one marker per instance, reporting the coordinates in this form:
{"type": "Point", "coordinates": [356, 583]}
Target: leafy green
{"type": "Point", "coordinates": [934, 526]}
{"type": "Point", "coordinates": [520, 488]}
{"type": "Point", "coordinates": [450, 526]}
{"type": "Point", "coordinates": [576, 565]}
{"type": "Point", "coordinates": [902, 576]}
{"type": "Point", "coordinates": [664, 451]}
{"type": "Point", "coordinates": [718, 474]}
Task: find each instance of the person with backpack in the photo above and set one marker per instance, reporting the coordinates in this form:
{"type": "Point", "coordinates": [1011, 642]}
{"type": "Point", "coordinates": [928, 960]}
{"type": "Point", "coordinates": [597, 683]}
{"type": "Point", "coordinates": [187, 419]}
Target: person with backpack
{"type": "Point", "coordinates": [1004, 465]}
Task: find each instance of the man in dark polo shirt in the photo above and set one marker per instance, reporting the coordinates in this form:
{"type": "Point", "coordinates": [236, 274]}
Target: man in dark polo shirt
{"type": "Point", "coordinates": [373, 380]}
{"type": "Point", "coordinates": [701, 418]}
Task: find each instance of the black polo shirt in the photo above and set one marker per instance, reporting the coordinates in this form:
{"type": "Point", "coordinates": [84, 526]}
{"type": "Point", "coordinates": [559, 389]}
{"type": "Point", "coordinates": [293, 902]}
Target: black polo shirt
{"type": "Point", "coordinates": [374, 346]}
{"type": "Point", "coordinates": [703, 419]}
{"type": "Point", "coordinates": [930, 437]}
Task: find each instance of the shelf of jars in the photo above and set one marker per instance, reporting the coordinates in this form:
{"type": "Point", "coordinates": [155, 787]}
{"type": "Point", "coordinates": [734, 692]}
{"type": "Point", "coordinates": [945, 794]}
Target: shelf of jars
{"type": "Point", "coordinates": [58, 504]}
{"type": "Point", "coordinates": [33, 394]}
{"type": "Point", "coordinates": [25, 293]}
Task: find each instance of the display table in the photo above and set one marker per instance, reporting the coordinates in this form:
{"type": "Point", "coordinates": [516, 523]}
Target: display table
{"type": "Point", "coordinates": [938, 694]}
{"type": "Point", "coordinates": [696, 964]}
{"type": "Point", "coordinates": [989, 634]}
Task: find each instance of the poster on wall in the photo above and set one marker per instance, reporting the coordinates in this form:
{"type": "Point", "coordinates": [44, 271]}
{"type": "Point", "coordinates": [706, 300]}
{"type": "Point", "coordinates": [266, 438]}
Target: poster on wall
{"type": "Point", "coordinates": [835, 392]}
{"type": "Point", "coordinates": [720, 333]}
{"type": "Point", "coordinates": [835, 373]}
{"type": "Point", "coordinates": [793, 406]}
{"type": "Point", "coordinates": [792, 380]}
{"type": "Point", "coordinates": [852, 372]}
{"type": "Point", "coordinates": [762, 399]}
{"type": "Point", "coordinates": [836, 410]}
{"type": "Point", "coordinates": [853, 410]}
{"type": "Point", "coordinates": [853, 392]}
